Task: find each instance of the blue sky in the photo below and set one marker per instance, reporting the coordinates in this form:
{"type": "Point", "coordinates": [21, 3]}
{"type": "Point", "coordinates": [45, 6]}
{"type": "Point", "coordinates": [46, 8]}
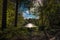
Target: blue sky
{"type": "Point", "coordinates": [26, 14]}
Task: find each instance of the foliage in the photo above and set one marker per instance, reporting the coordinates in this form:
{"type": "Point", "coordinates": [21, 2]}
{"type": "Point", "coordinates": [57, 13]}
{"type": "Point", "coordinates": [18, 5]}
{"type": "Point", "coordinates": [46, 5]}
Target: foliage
{"type": "Point", "coordinates": [49, 21]}
{"type": "Point", "coordinates": [0, 12]}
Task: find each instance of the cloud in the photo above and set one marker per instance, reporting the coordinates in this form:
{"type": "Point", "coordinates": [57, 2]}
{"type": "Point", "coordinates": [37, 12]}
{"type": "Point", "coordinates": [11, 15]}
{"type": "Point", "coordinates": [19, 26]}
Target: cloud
{"type": "Point", "coordinates": [27, 14]}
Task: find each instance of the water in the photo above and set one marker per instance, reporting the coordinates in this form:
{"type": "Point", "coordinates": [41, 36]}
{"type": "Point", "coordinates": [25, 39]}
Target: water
{"type": "Point", "coordinates": [30, 25]}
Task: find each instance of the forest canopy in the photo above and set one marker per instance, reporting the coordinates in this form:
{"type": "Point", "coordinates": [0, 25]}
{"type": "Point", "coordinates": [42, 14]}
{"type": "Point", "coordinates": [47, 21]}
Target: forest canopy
{"type": "Point", "coordinates": [12, 23]}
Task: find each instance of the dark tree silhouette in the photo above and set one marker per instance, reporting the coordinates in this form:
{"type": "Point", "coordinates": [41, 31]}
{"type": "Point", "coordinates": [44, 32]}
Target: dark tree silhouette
{"type": "Point", "coordinates": [16, 13]}
{"type": "Point", "coordinates": [4, 11]}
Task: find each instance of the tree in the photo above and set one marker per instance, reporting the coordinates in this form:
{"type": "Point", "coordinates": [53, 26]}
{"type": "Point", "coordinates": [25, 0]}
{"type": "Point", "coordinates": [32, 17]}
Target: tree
{"type": "Point", "coordinates": [50, 10]}
{"type": "Point", "coordinates": [16, 13]}
{"type": "Point", "coordinates": [4, 11]}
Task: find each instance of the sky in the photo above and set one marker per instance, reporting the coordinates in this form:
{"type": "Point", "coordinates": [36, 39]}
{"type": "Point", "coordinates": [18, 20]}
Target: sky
{"type": "Point", "coordinates": [26, 13]}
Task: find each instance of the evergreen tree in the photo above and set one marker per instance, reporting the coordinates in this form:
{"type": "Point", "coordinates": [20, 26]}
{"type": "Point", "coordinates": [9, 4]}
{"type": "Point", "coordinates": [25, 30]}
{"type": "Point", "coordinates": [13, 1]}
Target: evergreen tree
{"type": "Point", "coordinates": [4, 11]}
{"type": "Point", "coordinates": [16, 14]}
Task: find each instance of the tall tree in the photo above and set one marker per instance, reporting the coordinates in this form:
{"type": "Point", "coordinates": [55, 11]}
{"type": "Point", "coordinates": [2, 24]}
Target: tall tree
{"type": "Point", "coordinates": [4, 11]}
{"type": "Point", "coordinates": [16, 13]}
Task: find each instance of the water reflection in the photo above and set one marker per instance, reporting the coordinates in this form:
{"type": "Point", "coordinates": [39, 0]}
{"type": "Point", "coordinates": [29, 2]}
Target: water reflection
{"type": "Point", "coordinates": [30, 25]}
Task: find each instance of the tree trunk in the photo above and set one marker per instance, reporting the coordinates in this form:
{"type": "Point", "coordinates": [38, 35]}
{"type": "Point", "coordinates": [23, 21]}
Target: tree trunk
{"type": "Point", "coordinates": [16, 13]}
{"type": "Point", "coordinates": [4, 11]}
